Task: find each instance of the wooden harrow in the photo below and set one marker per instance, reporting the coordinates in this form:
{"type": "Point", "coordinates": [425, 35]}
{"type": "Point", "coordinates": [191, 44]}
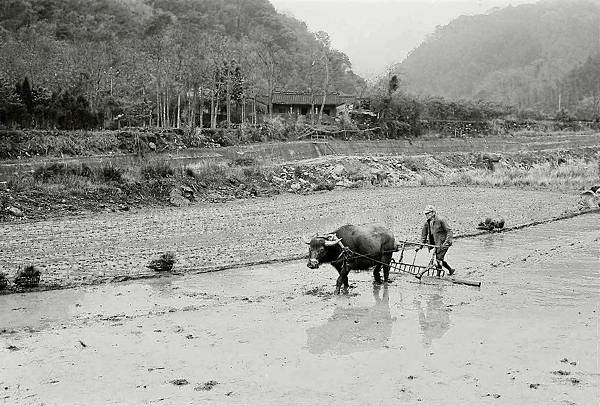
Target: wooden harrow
{"type": "Point", "coordinates": [399, 267]}
{"type": "Point", "coordinates": [430, 270]}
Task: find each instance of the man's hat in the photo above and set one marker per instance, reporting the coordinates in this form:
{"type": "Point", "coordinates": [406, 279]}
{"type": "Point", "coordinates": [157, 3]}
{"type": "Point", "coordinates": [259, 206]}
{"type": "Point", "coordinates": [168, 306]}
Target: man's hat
{"type": "Point", "coordinates": [429, 209]}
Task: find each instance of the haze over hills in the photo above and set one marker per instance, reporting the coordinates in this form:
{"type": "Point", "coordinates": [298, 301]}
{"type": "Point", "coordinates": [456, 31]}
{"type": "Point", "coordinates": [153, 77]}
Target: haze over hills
{"type": "Point", "coordinates": [378, 33]}
{"type": "Point", "coordinates": [521, 55]}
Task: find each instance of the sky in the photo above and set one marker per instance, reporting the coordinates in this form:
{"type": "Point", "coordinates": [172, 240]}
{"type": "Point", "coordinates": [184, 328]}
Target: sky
{"type": "Point", "coordinates": [378, 33]}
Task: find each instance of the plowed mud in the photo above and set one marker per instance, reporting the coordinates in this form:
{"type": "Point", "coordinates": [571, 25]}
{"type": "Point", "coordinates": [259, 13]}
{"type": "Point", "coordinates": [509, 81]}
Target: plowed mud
{"type": "Point", "coordinates": [104, 247]}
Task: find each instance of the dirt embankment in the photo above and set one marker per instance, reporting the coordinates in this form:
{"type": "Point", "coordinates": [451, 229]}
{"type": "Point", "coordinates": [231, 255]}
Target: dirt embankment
{"type": "Point", "coordinates": [64, 190]}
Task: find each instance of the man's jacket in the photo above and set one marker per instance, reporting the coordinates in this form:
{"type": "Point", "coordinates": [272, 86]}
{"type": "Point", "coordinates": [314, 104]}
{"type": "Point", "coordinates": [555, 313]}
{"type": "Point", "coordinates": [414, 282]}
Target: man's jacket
{"type": "Point", "coordinates": [436, 232]}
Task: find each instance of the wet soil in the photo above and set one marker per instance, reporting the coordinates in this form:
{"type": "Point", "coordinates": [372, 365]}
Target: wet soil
{"type": "Point", "coordinates": [105, 247]}
{"type": "Point", "coordinates": [272, 335]}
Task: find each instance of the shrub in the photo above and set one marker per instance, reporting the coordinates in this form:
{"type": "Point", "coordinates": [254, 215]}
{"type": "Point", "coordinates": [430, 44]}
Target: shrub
{"type": "Point", "coordinates": [244, 162]}
{"type": "Point", "coordinates": [29, 277]}
{"type": "Point", "coordinates": [157, 169]}
{"type": "Point", "coordinates": [189, 172]}
{"type": "Point", "coordinates": [251, 172]}
{"type": "Point", "coordinates": [218, 136]}
{"type": "Point", "coordinates": [164, 263]}
{"type": "Point", "coordinates": [212, 172]}
{"type": "Point", "coordinates": [60, 170]}
{"type": "Point", "coordinates": [324, 185]}
{"type": "Point", "coordinates": [414, 164]}
{"type": "Point", "coordinates": [109, 173]}
{"type": "Point", "coordinates": [253, 134]}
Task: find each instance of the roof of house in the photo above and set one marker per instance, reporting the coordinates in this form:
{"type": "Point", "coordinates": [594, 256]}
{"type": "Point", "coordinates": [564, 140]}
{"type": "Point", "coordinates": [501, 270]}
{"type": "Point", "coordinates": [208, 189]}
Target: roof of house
{"type": "Point", "coordinates": [307, 99]}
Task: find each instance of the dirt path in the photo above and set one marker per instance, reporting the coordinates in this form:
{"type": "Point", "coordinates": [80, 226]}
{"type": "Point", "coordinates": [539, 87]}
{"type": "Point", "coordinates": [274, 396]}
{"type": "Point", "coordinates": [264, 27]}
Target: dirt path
{"type": "Point", "coordinates": [274, 335]}
{"type": "Point", "coordinates": [107, 246]}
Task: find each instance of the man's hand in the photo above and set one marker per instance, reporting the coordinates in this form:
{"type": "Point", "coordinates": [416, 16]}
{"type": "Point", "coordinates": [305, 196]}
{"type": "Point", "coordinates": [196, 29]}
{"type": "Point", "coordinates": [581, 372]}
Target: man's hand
{"type": "Point", "coordinates": [418, 248]}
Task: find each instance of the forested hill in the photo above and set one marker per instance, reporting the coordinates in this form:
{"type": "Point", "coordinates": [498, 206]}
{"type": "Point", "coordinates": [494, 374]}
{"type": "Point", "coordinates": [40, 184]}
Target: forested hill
{"type": "Point", "coordinates": [524, 56]}
{"type": "Point", "coordinates": [132, 55]}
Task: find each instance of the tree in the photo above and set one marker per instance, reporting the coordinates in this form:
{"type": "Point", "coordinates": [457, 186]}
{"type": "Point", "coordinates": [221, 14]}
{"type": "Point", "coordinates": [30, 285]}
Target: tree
{"type": "Point", "coordinates": [324, 41]}
{"type": "Point", "coordinates": [11, 105]}
{"type": "Point", "coordinates": [169, 55]}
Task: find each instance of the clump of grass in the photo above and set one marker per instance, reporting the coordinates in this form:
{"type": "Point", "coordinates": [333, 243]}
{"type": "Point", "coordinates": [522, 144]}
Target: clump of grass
{"type": "Point", "coordinates": [244, 162]}
{"type": "Point", "coordinates": [218, 173]}
{"type": "Point", "coordinates": [157, 169]}
{"type": "Point", "coordinates": [299, 171]}
{"type": "Point", "coordinates": [356, 170]}
{"type": "Point", "coordinates": [110, 173]}
{"type": "Point", "coordinates": [55, 171]}
{"type": "Point", "coordinates": [164, 263]}
{"type": "Point", "coordinates": [212, 172]}
{"type": "Point", "coordinates": [426, 179]}
{"type": "Point", "coordinates": [252, 172]}
{"type": "Point", "coordinates": [20, 182]}
{"type": "Point", "coordinates": [189, 172]}
{"type": "Point", "coordinates": [575, 174]}
{"type": "Point", "coordinates": [324, 185]}
{"type": "Point", "coordinates": [29, 277]}
{"type": "Point", "coordinates": [415, 164]}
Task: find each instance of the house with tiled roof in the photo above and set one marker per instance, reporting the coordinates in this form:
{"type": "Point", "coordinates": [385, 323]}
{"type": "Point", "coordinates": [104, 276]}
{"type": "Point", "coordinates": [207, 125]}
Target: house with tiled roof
{"type": "Point", "coordinates": [299, 103]}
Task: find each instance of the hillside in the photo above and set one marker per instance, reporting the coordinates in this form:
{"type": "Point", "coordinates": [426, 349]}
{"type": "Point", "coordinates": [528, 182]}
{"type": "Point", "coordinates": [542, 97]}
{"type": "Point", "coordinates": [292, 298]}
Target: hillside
{"type": "Point", "coordinates": [517, 55]}
{"type": "Point", "coordinates": [144, 59]}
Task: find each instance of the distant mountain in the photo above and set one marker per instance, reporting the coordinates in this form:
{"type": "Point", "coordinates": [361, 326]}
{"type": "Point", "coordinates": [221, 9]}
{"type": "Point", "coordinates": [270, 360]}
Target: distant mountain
{"type": "Point", "coordinates": [521, 55]}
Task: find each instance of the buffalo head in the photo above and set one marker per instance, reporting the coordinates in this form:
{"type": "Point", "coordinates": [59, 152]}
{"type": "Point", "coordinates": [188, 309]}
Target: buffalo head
{"type": "Point", "coordinates": [319, 248]}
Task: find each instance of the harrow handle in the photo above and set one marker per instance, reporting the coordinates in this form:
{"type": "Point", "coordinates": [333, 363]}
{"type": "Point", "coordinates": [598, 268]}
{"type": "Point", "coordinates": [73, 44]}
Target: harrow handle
{"type": "Point", "coordinates": [414, 243]}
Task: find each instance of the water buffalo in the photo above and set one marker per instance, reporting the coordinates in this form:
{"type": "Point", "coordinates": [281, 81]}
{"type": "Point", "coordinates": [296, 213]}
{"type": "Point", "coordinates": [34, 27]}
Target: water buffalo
{"type": "Point", "coordinates": [368, 244]}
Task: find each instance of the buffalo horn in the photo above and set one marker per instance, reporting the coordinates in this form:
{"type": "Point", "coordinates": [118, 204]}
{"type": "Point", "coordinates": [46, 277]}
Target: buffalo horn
{"type": "Point", "coordinates": [330, 243]}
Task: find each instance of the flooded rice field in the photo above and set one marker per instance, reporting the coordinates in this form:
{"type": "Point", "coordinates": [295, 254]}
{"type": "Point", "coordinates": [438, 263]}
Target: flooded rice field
{"type": "Point", "coordinates": [272, 335]}
{"type": "Point", "coordinates": [101, 247]}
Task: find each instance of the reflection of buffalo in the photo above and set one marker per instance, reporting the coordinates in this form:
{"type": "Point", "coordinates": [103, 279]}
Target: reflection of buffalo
{"type": "Point", "coordinates": [354, 329]}
{"type": "Point", "coordinates": [435, 320]}
{"type": "Point", "coordinates": [370, 245]}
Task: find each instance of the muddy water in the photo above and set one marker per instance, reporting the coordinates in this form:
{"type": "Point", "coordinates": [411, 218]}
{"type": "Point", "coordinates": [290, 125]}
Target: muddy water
{"type": "Point", "coordinates": [275, 334]}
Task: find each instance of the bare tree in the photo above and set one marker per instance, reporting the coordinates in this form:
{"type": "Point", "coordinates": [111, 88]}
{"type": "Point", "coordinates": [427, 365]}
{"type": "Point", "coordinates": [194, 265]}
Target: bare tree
{"type": "Point", "coordinates": [323, 39]}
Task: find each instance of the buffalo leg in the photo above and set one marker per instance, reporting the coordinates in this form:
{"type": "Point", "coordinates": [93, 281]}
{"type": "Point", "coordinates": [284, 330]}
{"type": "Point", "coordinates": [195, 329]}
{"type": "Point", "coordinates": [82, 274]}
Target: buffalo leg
{"type": "Point", "coordinates": [376, 274]}
{"type": "Point", "coordinates": [344, 276]}
{"type": "Point", "coordinates": [386, 259]}
{"type": "Point", "coordinates": [338, 283]}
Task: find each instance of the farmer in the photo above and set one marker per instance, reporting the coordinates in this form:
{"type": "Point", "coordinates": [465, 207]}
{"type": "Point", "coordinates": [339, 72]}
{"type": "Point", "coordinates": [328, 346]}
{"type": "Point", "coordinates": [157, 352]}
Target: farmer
{"type": "Point", "coordinates": [436, 232]}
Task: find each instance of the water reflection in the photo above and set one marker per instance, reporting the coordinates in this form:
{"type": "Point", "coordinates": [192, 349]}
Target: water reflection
{"type": "Point", "coordinates": [37, 309]}
{"type": "Point", "coordinates": [162, 286]}
{"type": "Point", "coordinates": [434, 320]}
{"type": "Point", "coordinates": [354, 329]}
{"type": "Point", "coordinates": [491, 241]}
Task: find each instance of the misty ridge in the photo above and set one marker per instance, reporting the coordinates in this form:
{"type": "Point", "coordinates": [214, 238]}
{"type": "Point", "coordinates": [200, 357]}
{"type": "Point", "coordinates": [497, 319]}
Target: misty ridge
{"type": "Point", "coordinates": [84, 63]}
{"type": "Point", "coordinates": [527, 56]}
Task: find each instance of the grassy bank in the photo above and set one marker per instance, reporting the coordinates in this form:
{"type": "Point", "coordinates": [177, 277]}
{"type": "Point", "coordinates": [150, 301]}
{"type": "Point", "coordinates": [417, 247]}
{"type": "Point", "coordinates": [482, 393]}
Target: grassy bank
{"type": "Point", "coordinates": [62, 188]}
{"type": "Point", "coordinates": [576, 174]}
